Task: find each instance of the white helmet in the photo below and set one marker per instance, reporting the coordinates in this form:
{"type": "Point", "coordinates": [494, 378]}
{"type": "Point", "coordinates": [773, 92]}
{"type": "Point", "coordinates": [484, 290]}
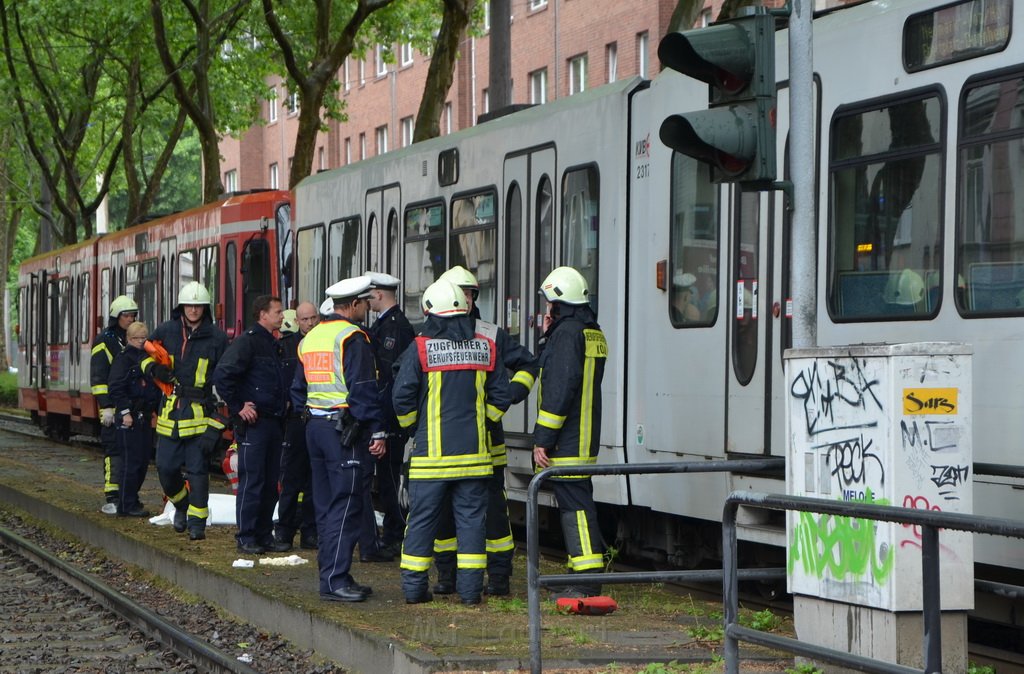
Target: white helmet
{"type": "Point", "coordinates": [122, 304]}
{"type": "Point", "coordinates": [193, 293]}
{"type": "Point", "coordinates": [461, 277]}
{"type": "Point", "coordinates": [565, 285]}
{"type": "Point", "coordinates": [905, 288]}
{"type": "Point", "coordinates": [290, 324]}
{"type": "Point", "coordinates": [444, 299]}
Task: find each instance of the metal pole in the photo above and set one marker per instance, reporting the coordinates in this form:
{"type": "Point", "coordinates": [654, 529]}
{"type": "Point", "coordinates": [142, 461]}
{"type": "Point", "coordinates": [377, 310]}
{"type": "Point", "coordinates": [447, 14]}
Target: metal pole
{"type": "Point", "coordinates": [801, 169]}
{"type": "Point", "coordinates": [730, 588]}
{"type": "Point", "coordinates": [533, 570]}
{"type": "Point", "coordinates": [932, 606]}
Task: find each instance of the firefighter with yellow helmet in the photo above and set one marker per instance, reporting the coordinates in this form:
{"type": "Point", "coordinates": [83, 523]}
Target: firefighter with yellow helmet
{"type": "Point", "coordinates": [107, 345]}
{"type": "Point", "coordinates": [568, 428]}
{"type": "Point", "coordinates": [449, 384]}
{"type": "Point", "coordinates": [188, 423]}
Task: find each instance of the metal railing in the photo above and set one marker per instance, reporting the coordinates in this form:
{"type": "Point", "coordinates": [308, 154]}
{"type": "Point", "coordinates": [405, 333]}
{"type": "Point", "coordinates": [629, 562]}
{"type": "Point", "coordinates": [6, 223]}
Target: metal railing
{"type": "Point", "coordinates": [534, 579]}
{"type": "Point", "coordinates": [930, 522]}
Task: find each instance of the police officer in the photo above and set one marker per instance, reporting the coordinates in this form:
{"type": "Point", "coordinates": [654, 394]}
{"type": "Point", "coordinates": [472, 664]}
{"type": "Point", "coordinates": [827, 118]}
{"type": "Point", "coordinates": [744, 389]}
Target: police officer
{"type": "Point", "coordinates": [568, 428]}
{"type": "Point", "coordinates": [295, 502]}
{"type": "Point", "coordinates": [391, 334]}
{"type": "Point", "coordinates": [336, 381]}
{"type": "Point", "coordinates": [449, 383]}
{"type": "Point", "coordinates": [106, 345]}
{"type": "Point", "coordinates": [188, 422]}
{"type": "Point", "coordinates": [135, 397]}
{"type": "Point", "coordinates": [500, 545]}
{"type": "Point", "coordinates": [250, 380]}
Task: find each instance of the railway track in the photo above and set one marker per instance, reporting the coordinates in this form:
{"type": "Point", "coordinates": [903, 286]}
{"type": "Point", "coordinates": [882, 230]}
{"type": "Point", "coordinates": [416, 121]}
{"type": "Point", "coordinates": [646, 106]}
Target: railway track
{"type": "Point", "coordinates": [56, 618]}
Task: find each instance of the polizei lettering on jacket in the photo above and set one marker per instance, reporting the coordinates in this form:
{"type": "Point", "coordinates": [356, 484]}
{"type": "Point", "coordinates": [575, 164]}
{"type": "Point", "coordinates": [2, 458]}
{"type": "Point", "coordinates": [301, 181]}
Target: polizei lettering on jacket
{"type": "Point", "coordinates": [478, 353]}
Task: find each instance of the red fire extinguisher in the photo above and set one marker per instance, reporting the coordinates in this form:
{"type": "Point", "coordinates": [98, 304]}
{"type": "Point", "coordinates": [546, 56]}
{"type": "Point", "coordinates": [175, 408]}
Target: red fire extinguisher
{"type": "Point", "coordinates": [230, 466]}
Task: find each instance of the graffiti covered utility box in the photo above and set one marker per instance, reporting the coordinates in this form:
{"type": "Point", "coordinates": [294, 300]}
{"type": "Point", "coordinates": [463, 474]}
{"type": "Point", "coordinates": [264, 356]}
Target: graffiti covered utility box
{"type": "Point", "coordinates": [886, 424]}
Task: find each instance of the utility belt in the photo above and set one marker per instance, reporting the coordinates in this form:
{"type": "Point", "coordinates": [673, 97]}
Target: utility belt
{"type": "Point", "coordinates": [193, 393]}
{"type": "Point", "coordinates": [346, 424]}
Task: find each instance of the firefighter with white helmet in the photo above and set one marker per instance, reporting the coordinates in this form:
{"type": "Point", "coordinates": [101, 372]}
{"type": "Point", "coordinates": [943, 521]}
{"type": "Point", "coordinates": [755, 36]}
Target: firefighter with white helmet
{"type": "Point", "coordinates": [568, 427]}
{"type": "Point", "coordinates": [523, 367]}
{"type": "Point", "coordinates": [105, 347]}
{"type": "Point", "coordinates": [445, 390]}
{"type": "Point", "coordinates": [336, 382]}
{"type": "Point", "coordinates": [188, 423]}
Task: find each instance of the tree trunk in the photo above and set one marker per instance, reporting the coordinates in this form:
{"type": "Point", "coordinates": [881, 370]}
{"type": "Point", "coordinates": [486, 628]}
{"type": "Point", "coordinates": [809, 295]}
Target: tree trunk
{"type": "Point", "coordinates": [442, 66]}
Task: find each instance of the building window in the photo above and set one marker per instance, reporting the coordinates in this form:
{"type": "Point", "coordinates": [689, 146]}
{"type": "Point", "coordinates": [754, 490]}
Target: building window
{"type": "Point", "coordinates": [539, 86]}
{"type": "Point", "coordinates": [381, 136]}
{"type": "Point", "coordinates": [641, 53]}
{"type": "Point", "coordinates": [406, 54]}
{"type": "Point", "coordinates": [322, 156]}
{"type": "Point", "coordinates": [705, 18]}
{"type": "Point", "coordinates": [537, 4]}
{"type": "Point", "coordinates": [348, 151]}
{"type": "Point", "coordinates": [272, 107]}
{"type": "Point", "coordinates": [612, 57]}
{"type": "Point", "coordinates": [293, 103]}
{"type": "Point", "coordinates": [362, 73]}
{"type": "Point", "coordinates": [231, 181]}
{"type": "Point", "coordinates": [362, 146]}
{"type": "Point", "coordinates": [346, 81]}
{"type": "Point", "coordinates": [448, 118]}
{"type": "Point", "coordinates": [273, 176]}
{"type": "Point", "coordinates": [407, 131]}
{"type": "Point", "coordinates": [487, 16]}
{"type": "Point", "coordinates": [380, 65]}
{"type": "Point", "coordinates": [577, 74]}
{"type": "Point", "coordinates": [486, 102]}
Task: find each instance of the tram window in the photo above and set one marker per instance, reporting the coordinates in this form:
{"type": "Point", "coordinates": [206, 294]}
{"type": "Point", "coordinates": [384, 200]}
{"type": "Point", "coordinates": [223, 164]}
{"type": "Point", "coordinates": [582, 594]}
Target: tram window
{"type": "Point", "coordinates": [990, 243]}
{"type": "Point", "coordinates": [514, 255]}
{"type": "Point", "coordinates": [885, 233]}
{"type": "Point", "coordinates": [186, 271]}
{"type": "Point", "coordinates": [146, 297]}
{"type": "Point", "coordinates": [283, 224]}
{"type": "Point", "coordinates": [393, 244]}
{"type": "Point", "coordinates": [105, 297]}
{"type": "Point", "coordinates": [131, 280]}
{"type": "Point", "coordinates": [256, 272]}
{"type": "Point", "coordinates": [232, 316]}
{"type": "Point", "coordinates": [693, 244]}
{"type": "Point", "coordinates": [373, 259]}
{"type": "Point", "coordinates": [424, 254]}
{"type": "Point", "coordinates": [543, 220]}
{"type": "Point", "coordinates": [209, 266]}
{"type": "Point", "coordinates": [581, 221]}
{"type": "Point", "coordinates": [474, 245]}
{"type": "Point", "coordinates": [309, 275]}
{"type": "Point", "coordinates": [746, 263]}
{"type": "Point", "coordinates": [343, 243]}
{"type": "Point", "coordinates": [83, 308]}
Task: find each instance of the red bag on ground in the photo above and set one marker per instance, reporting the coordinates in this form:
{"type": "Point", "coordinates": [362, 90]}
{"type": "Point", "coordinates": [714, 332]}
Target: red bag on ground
{"type": "Point", "coordinates": [586, 605]}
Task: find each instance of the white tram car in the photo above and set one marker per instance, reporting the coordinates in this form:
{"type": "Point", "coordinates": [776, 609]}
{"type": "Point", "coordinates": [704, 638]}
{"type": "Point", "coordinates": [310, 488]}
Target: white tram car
{"type": "Point", "coordinates": [919, 113]}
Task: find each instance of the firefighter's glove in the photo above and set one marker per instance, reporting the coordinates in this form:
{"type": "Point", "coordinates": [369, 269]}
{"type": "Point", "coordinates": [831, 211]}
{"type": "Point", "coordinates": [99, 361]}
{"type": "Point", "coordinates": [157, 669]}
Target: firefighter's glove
{"type": "Point", "coordinates": [107, 416]}
{"type": "Point", "coordinates": [208, 440]}
{"type": "Point", "coordinates": [162, 373]}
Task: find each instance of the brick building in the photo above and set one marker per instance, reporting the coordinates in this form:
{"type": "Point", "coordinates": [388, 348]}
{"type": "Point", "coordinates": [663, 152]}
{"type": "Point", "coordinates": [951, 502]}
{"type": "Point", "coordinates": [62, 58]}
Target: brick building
{"type": "Point", "coordinates": [559, 47]}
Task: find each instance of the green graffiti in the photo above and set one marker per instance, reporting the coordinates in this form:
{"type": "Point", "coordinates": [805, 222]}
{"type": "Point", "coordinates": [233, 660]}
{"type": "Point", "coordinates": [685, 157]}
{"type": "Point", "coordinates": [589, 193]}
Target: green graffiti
{"type": "Point", "coordinates": [843, 546]}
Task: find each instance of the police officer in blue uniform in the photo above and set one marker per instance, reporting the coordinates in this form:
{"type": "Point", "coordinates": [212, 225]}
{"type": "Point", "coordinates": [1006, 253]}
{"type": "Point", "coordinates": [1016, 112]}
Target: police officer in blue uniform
{"type": "Point", "coordinates": [250, 380]}
{"type": "Point", "coordinates": [448, 385]}
{"type": "Point", "coordinates": [391, 334]}
{"type": "Point", "coordinates": [336, 381]}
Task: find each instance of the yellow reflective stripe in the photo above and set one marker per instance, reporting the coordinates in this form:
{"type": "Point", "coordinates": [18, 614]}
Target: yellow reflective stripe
{"type": "Point", "coordinates": [583, 529]}
{"type": "Point", "coordinates": [445, 545]}
{"type": "Point", "coordinates": [100, 390]}
{"type": "Point", "coordinates": [472, 560]}
{"type": "Point", "coordinates": [108, 483]}
{"type": "Point", "coordinates": [413, 563]}
{"type": "Point", "coordinates": [450, 460]}
{"type": "Point", "coordinates": [493, 413]}
{"type": "Point", "coordinates": [586, 562]}
{"type": "Point", "coordinates": [201, 513]}
{"type": "Point", "coordinates": [406, 420]}
{"type": "Point", "coordinates": [523, 377]}
{"type": "Point", "coordinates": [450, 473]}
{"type": "Point", "coordinates": [179, 496]}
{"type": "Point", "coordinates": [587, 406]}
{"type": "Point", "coordinates": [434, 414]}
{"type": "Point", "coordinates": [550, 420]}
{"type": "Point", "coordinates": [201, 368]}
{"type": "Point", "coordinates": [146, 362]}
{"type": "Point", "coordinates": [572, 460]}
{"type": "Point", "coordinates": [500, 544]}
{"type": "Point", "coordinates": [102, 347]}
{"type": "Point", "coordinates": [210, 421]}
{"type": "Point", "coordinates": [483, 438]}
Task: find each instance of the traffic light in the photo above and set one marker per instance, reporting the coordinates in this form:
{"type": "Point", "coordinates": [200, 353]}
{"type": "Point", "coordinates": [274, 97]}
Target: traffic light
{"type": "Point", "coordinates": [736, 134]}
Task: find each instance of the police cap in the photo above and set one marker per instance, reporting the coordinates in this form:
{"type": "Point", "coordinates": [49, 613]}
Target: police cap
{"type": "Point", "coordinates": [327, 307]}
{"type": "Point", "coordinates": [357, 287]}
{"type": "Point", "coordinates": [383, 281]}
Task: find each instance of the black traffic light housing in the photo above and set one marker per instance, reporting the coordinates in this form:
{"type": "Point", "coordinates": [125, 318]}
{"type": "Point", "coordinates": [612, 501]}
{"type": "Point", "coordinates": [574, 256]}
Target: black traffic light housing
{"type": "Point", "coordinates": [736, 134]}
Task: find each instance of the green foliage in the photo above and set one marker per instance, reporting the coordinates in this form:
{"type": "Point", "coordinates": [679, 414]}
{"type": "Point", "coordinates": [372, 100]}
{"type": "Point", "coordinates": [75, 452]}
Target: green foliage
{"type": "Point", "coordinates": [706, 634]}
{"type": "Point", "coordinates": [765, 620]}
{"type": "Point", "coordinates": [506, 605]}
{"type": "Point", "coordinates": [803, 668]}
{"type": "Point", "coordinates": [974, 668]}
{"type": "Point", "coordinates": [8, 389]}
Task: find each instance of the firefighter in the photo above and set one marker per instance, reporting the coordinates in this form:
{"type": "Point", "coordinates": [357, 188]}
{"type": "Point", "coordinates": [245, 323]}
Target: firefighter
{"type": "Point", "coordinates": [135, 398]}
{"type": "Point", "coordinates": [106, 346]}
{"type": "Point", "coordinates": [188, 422]}
{"type": "Point", "coordinates": [447, 386]}
{"type": "Point", "coordinates": [250, 380]}
{"type": "Point", "coordinates": [391, 334]}
{"type": "Point", "coordinates": [295, 502]}
{"type": "Point", "coordinates": [500, 546]}
{"type": "Point", "coordinates": [568, 427]}
{"type": "Point", "coordinates": [336, 382]}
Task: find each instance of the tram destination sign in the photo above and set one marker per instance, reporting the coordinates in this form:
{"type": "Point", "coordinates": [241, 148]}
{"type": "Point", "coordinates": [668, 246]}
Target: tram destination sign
{"type": "Point", "coordinates": [956, 32]}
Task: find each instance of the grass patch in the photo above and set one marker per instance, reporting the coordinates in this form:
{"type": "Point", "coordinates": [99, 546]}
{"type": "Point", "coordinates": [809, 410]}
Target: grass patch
{"type": "Point", "coordinates": [8, 389]}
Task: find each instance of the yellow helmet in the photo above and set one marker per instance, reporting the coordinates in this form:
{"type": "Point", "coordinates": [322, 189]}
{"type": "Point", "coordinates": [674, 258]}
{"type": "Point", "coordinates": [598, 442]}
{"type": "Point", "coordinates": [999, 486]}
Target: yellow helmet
{"type": "Point", "coordinates": [122, 304]}
{"type": "Point", "coordinates": [565, 285]}
{"type": "Point", "coordinates": [290, 324]}
{"type": "Point", "coordinates": [461, 277]}
{"type": "Point", "coordinates": [444, 299]}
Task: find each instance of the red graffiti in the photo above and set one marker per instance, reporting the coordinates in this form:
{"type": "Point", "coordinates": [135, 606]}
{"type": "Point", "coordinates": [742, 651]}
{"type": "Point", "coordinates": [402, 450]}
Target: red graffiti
{"type": "Point", "coordinates": [917, 503]}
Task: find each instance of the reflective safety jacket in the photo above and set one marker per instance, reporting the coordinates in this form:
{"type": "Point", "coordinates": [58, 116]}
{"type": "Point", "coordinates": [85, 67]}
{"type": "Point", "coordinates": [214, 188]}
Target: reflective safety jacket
{"type": "Point", "coordinates": [105, 348]}
{"type": "Point", "coordinates": [523, 367]}
{"type": "Point", "coordinates": [569, 401]}
{"type": "Point", "coordinates": [449, 384]}
{"type": "Point", "coordinates": [336, 370]}
{"type": "Point", "coordinates": [191, 407]}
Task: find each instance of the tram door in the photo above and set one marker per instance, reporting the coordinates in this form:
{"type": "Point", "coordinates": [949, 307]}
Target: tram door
{"type": "Point", "coordinates": [35, 340]}
{"type": "Point", "coordinates": [751, 327]}
{"type": "Point", "coordinates": [382, 207]}
{"type": "Point", "coordinates": [75, 296]}
{"type": "Point", "coordinates": [168, 281]}
{"type": "Point", "coordinates": [528, 240]}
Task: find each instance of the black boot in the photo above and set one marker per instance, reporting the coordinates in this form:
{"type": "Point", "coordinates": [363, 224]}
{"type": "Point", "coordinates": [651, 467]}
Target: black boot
{"type": "Point", "coordinates": [497, 586]}
{"type": "Point", "coordinates": [181, 517]}
{"type": "Point", "coordinates": [445, 582]}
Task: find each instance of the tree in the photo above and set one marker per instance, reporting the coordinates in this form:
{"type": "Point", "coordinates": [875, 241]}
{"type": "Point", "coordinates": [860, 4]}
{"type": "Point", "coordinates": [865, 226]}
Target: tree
{"type": "Point", "coordinates": [684, 16]}
{"type": "Point", "coordinates": [456, 17]}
